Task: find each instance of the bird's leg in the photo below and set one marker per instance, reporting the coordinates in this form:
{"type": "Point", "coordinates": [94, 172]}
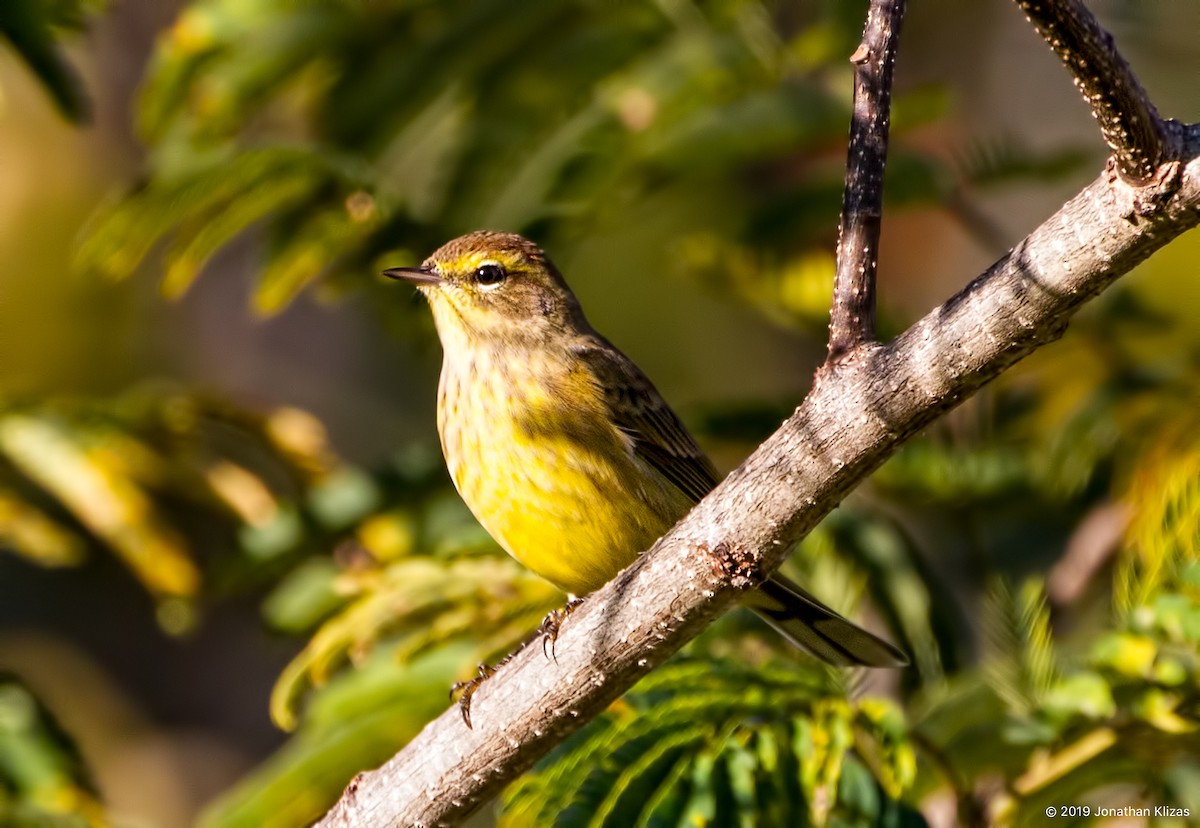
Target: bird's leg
{"type": "Point", "coordinates": [552, 622]}
{"type": "Point", "coordinates": [469, 687]}
{"type": "Point", "coordinates": [548, 632]}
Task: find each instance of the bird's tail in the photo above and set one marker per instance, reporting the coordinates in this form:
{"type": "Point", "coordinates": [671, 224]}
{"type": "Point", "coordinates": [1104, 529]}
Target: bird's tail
{"type": "Point", "coordinates": [814, 627]}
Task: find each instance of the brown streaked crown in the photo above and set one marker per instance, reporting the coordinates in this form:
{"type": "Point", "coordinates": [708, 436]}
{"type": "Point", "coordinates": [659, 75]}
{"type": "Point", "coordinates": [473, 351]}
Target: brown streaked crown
{"type": "Point", "coordinates": [508, 247]}
{"type": "Point", "coordinates": [499, 285]}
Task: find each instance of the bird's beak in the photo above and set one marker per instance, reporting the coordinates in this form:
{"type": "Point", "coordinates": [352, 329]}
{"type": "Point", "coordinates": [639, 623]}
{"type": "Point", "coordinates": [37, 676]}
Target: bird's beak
{"type": "Point", "coordinates": [414, 275]}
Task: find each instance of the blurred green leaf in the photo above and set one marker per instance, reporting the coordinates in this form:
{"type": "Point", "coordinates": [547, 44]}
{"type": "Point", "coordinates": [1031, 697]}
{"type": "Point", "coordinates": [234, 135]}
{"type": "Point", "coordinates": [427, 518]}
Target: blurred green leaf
{"type": "Point", "coordinates": [31, 28]}
{"type": "Point", "coordinates": [304, 597]}
{"type": "Point", "coordinates": [342, 134]}
{"type": "Point", "coordinates": [358, 721]}
{"type": "Point", "coordinates": [1164, 495]}
{"type": "Point", "coordinates": [43, 779]}
{"type": "Point", "coordinates": [1024, 664]}
{"type": "Point", "coordinates": [423, 604]}
{"type": "Point", "coordinates": [104, 499]}
{"type": "Point", "coordinates": [1084, 694]}
{"type": "Point", "coordinates": [1003, 159]}
{"type": "Point", "coordinates": [204, 206]}
{"type": "Point", "coordinates": [28, 531]}
{"type": "Point", "coordinates": [137, 474]}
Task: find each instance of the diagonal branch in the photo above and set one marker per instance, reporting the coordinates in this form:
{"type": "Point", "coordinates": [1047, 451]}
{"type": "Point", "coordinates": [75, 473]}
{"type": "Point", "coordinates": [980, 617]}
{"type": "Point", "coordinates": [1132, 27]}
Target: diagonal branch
{"type": "Point", "coordinates": [852, 316]}
{"type": "Point", "coordinates": [847, 426]}
{"type": "Point", "coordinates": [1130, 124]}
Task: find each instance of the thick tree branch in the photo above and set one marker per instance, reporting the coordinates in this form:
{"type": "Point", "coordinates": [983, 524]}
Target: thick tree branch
{"type": "Point", "coordinates": [857, 416]}
{"type": "Point", "coordinates": [852, 315]}
{"type": "Point", "coordinates": [1131, 126]}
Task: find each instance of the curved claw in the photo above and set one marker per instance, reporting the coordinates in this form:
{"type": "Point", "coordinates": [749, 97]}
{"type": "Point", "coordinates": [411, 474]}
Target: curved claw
{"type": "Point", "coordinates": [548, 631]}
{"type": "Point", "coordinates": [552, 623]}
{"type": "Point", "coordinates": [468, 689]}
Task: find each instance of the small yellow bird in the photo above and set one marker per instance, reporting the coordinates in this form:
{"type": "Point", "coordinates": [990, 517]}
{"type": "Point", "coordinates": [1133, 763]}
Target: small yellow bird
{"type": "Point", "coordinates": [562, 448]}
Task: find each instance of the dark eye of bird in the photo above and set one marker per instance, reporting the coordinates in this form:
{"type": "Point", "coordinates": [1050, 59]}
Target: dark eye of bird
{"type": "Point", "coordinates": [489, 275]}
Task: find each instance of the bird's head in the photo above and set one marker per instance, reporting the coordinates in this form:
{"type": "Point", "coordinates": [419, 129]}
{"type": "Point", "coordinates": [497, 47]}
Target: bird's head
{"type": "Point", "coordinates": [489, 284]}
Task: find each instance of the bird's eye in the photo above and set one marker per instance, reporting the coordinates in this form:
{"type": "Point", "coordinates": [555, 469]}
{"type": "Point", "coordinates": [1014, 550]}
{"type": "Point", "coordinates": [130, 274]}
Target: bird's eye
{"type": "Point", "coordinates": [489, 275]}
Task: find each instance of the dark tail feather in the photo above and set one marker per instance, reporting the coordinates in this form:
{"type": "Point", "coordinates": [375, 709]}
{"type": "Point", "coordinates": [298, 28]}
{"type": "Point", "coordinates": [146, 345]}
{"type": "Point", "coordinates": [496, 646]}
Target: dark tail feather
{"type": "Point", "coordinates": [812, 626]}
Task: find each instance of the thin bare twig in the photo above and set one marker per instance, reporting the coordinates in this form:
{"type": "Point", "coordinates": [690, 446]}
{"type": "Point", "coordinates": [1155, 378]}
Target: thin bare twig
{"type": "Point", "coordinates": [852, 316]}
{"type": "Point", "coordinates": [1130, 124]}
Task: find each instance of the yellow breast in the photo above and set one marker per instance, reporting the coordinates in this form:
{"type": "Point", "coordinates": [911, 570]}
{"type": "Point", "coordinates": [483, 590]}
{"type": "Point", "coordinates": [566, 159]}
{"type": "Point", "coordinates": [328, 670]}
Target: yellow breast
{"type": "Point", "coordinates": [530, 449]}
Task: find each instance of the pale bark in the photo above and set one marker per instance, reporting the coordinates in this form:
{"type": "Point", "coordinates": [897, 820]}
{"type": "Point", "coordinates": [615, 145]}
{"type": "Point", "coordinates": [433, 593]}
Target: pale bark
{"type": "Point", "coordinates": [862, 407]}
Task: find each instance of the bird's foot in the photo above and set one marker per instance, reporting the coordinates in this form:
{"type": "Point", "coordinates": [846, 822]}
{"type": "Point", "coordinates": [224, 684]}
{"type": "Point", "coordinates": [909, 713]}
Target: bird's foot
{"type": "Point", "coordinates": [548, 631]}
{"type": "Point", "coordinates": [552, 623]}
{"type": "Point", "coordinates": [468, 688]}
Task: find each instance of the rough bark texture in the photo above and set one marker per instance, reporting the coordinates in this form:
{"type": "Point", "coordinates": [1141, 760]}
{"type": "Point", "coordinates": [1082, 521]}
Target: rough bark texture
{"type": "Point", "coordinates": [852, 315]}
{"type": "Point", "coordinates": [860, 410]}
{"type": "Point", "coordinates": [866, 401]}
{"type": "Point", "coordinates": [1128, 120]}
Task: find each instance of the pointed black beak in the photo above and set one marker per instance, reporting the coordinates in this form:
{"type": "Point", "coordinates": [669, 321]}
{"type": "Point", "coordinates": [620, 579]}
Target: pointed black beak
{"type": "Point", "coordinates": [414, 275]}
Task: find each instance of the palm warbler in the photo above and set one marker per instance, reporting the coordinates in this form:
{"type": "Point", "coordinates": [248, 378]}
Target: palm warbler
{"type": "Point", "coordinates": [562, 448]}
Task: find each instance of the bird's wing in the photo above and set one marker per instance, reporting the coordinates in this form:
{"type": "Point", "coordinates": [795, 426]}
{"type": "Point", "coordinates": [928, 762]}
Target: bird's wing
{"type": "Point", "coordinates": [660, 439]}
{"type": "Point", "coordinates": [640, 412]}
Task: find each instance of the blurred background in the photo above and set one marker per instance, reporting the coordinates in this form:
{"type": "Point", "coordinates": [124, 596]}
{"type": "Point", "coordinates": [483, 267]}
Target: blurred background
{"type": "Point", "coordinates": [223, 514]}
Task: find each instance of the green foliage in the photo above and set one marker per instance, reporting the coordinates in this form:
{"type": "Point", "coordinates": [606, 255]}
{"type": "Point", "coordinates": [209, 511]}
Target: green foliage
{"type": "Point", "coordinates": [357, 721]}
{"type": "Point", "coordinates": [417, 598]}
{"type": "Point", "coordinates": [139, 473]}
{"type": "Point", "coordinates": [32, 28]}
{"type": "Point", "coordinates": [1124, 708]}
{"type": "Point", "coordinates": [345, 135]}
{"type": "Point", "coordinates": [1023, 662]}
{"type": "Point", "coordinates": [1109, 419]}
{"type": "Point", "coordinates": [428, 603]}
{"type": "Point", "coordinates": [1126, 715]}
{"type": "Point", "coordinates": [1002, 159]}
{"type": "Point", "coordinates": [43, 780]}
{"type": "Point", "coordinates": [353, 135]}
{"type": "Point", "coordinates": [704, 742]}
{"type": "Point", "coordinates": [1164, 501]}
{"type": "Point", "coordinates": [211, 203]}
{"type": "Point", "coordinates": [382, 150]}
